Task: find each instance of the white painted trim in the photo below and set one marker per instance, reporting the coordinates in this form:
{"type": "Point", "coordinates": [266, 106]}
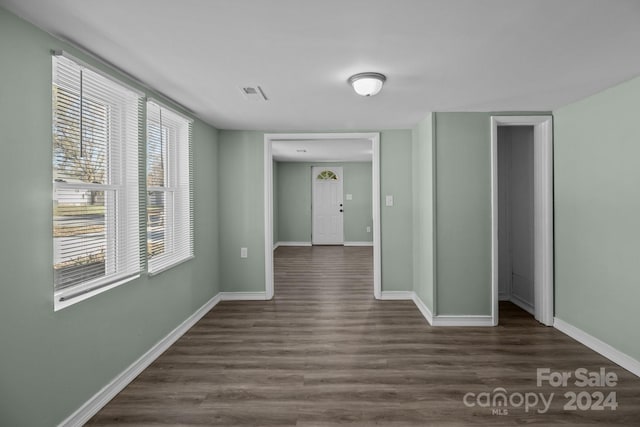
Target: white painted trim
{"type": "Point", "coordinates": [543, 212]}
{"type": "Point", "coordinates": [358, 243]}
{"type": "Point", "coordinates": [276, 246]}
{"type": "Point", "coordinates": [522, 304]}
{"type": "Point", "coordinates": [268, 217]}
{"type": "Point", "coordinates": [444, 320]}
{"type": "Point", "coordinates": [377, 245]}
{"type": "Point", "coordinates": [397, 295]}
{"type": "Point", "coordinates": [116, 385]}
{"type": "Point", "coordinates": [243, 296]}
{"type": "Point", "coordinates": [504, 297]}
{"type": "Point", "coordinates": [424, 310]}
{"type": "Point", "coordinates": [374, 137]}
{"type": "Point", "coordinates": [624, 360]}
{"type": "Point", "coordinates": [466, 320]}
{"type": "Point", "coordinates": [59, 305]}
{"type": "Point", "coordinates": [293, 244]}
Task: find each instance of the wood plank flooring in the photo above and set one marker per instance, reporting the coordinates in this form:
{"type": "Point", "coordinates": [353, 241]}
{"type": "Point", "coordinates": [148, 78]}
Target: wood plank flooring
{"type": "Point", "coordinates": [325, 353]}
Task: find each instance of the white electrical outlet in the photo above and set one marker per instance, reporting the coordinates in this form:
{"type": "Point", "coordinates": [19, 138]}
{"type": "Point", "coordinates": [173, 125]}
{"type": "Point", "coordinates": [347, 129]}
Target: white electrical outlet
{"type": "Point", "coordinates": [244, 253]}
{"type": "Point", "coordinates": [368, 229]}
{"type": "Point", "coordinates": [389, 200]}
{"type": "Point", "coordinates": [349, 196]}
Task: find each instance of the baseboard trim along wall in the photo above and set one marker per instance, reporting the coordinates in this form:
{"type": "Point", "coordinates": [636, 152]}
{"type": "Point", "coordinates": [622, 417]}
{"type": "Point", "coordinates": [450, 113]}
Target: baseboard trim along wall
{"type": "Point", "coordinates": [624, 360]}
{"type": "Point", "coordinates": [522, 304]}
{"type": "Point", "coordinates": [439, 320]}
{"type": "Point", "coordinates": [451, 320]}
{"type": "Point", "coordinates": [426, 313]}
{"type": "Point", "coordinates": [292, 244]}
{"type": "Point", "coordinates": [463, 320]}
{"type": "Point", "coordinates": [358, 243]}
{"type": "Point", "coordinates": [108, 392]}
{"type": "Point", "coordinates": [243, 296]}
{"type": "Point", "coordinates": [397, 295]}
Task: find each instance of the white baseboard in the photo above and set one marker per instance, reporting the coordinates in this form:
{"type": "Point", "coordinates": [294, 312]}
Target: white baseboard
{"type": "Point", "coordinates": [462, 320]}
{"type": "Point", "coordinates": [397, 295]}
{"type": "Point", "coordinates": [108, 392]}
{"type": "Point", "coordinates": [358, 243]}
{"type": "Point", "coordinates": [243, 296]}
{"type": "Point", "coordinates": [293, 244]}
{"type": "Point", "coordinates": [504, 297]}
{"type": "Point", "coordinates": [276, 246]}
{"type": "Point", "coordinates": [426, 313]}
{"type": "Point", "coordinates": [450, 320]}
{"type": "Point", "coordinates": [522, 304]}
{"type": "Point", "coordinates": [627, 362]}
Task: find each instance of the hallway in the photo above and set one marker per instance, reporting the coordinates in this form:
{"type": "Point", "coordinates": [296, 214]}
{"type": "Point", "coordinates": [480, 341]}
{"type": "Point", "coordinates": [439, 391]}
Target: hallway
{"type": "Point", "coordinates": [325, 353]}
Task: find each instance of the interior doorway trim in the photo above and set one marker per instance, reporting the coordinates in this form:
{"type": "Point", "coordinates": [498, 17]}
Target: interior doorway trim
{"type": "Point", "coordinates": [374, 137]}
{"type": "Point", "coordinates": [542, 216]}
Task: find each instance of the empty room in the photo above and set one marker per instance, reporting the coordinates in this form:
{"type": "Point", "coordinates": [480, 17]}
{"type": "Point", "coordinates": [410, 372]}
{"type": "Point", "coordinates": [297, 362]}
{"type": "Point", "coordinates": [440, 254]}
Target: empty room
{"type": "Point", "coordinates": [319, 213]}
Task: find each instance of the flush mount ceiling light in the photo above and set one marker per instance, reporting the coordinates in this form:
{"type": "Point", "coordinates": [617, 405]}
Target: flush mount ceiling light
{"type": "Point", "coordinates": [367, 84]}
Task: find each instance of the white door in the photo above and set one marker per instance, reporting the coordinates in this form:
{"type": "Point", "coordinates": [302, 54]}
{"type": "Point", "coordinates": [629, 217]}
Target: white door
{"type": "Point", "coordinates": [327, 206]}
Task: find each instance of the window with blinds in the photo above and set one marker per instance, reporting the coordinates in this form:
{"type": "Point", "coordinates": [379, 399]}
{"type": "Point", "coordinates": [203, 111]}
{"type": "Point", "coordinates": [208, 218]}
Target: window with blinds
{"type": "Point", "coordinates": [169, 188]}
{"type": "Point", "coordinates": [96, 236]}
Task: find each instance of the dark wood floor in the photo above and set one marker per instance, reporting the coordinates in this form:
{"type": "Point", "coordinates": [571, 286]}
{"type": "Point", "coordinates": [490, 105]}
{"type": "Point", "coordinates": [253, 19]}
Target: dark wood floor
{"type": "Point", "coordinates": [325, 353]}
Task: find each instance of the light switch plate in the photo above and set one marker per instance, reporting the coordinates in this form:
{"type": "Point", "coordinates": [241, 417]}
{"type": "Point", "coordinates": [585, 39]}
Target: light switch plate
{"type": "Point", "coordinates": [349, 196]}
{"type": "Point", "coordinates": [243, 253]}
{"type": "Point", "coordinates": [389, 200]}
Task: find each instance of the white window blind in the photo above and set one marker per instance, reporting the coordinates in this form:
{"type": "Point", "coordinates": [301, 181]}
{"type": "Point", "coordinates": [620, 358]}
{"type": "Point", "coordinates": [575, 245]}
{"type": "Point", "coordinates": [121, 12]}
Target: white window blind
{"type": "Point", "coordinates": [96, 234]}
{"type": "Point", "coordinates": [169, 188]}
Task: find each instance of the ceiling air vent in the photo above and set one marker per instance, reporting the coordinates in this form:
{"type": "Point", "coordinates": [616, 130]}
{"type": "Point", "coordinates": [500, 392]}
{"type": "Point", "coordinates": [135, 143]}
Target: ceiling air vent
{"type": "Point", "coordinates": [253, 93]}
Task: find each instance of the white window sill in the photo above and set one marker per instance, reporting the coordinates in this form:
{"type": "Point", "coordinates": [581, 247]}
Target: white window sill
{"type": "Point", "coordinates": [69, 297]}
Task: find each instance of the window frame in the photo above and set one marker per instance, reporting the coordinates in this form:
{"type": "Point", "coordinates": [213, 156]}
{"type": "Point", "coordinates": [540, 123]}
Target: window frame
{"type": "Point", "coordinates": [178, 185]}
{"type": "Point", "coordinates": [119, 180]}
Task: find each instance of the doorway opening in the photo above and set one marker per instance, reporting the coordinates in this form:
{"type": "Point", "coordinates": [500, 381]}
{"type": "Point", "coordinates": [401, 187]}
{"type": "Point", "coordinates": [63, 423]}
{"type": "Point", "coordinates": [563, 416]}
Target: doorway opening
{"type": "Point", "coordinates": [326, 228]}
{"type": "Point", "coordinates": [515, 216]}
{"type": "Point", "coordinates": [522, 214]}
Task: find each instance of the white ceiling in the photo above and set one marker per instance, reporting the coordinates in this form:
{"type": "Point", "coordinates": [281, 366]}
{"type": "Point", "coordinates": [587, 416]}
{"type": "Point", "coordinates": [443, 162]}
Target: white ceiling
{"type": "Point", "coordinates": [325, 150]}
{"type": "Point", "coordinates": [438, 55]}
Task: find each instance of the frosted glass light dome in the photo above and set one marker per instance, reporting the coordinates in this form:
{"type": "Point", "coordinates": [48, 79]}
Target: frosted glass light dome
{"type": "Point", "coordinates": [367, 84]}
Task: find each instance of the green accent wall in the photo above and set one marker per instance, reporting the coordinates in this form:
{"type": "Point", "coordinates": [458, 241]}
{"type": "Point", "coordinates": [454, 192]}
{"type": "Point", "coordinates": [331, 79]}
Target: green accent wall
{"type": "Point", "coordinates": [358, 211]}
{"type": "Point", "coordinates": [463, 213]}
{"type": "Point", "coordinates": [597, 211]}
{"type": "Point", "coordinates": [397, 220]}
{"type": "Point", "coordinates": [53, 362]}
{"type": "Point", "coordinates": [241, 210]}
{"type": "Point", "coordinates": [423, 169]}
{"type": "Point", "coordinates": [293, 186]}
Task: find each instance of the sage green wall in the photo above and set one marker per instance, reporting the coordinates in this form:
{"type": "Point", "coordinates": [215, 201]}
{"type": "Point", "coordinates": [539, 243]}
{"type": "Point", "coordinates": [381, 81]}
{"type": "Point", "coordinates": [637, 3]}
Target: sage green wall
{"type": "Point", "coordinates": [241, 210]}
{"type": "Point", "coordinates": [294, 201]}
{"type": "Point", "coordinates": [53, 362]}
{"type": "Point", "coordinates": [423, 215]}
{"type": "Point", "coordinates": [358, 211]}
{"type": "Point", "coordinates": [463, 213]}
{"type": "Point", "coordinates": [597, 206]}
{"type": "Point", "coordinates": [397, 220]}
